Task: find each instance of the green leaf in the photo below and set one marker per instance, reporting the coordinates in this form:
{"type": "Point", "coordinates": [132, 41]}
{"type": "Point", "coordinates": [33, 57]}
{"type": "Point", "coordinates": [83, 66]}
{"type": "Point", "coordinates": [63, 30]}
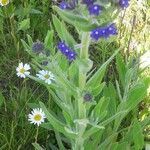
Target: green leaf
{"type": "Point", "coordinates": [76, 20]}
{"type": "Point", "coordinates": [24, 25]}
{"type": "Point", "coordinates": [106, 143]}
{"type": "Point", "coordinates": [35, 11]}
{"type": "Point", "coordinates": [59, 141]}
{"type": "Point", "coordinates": [30, 41]}
{"type": "Point", "coordinates": [93, 130]}
{"type": "Point", "coordinates": [96, 79]}
{"type": "Point", "coordinates": [37, 146]}
{"type": "Point", "coordinates": [138, 137]}
{"type": "Point", "coordinates": [73, 73]}
{"type": "Point", "coordinates": [47, 126]}
{"type": "Point", "coordinates": [26, 46]}
{"type": "Point", "coordinates": [135, 96]}
{"type": "Point", "coordinates": [110, 92]}
{"type": "Point", "coordinates": [48, 42]}
{"type": "Point", "coordinates": [97, 90]}
{"type": "Point", "coordinates": [58, 125]}
{"type": "Point", "coordinates": [121, 68]}
{"type": "Point", "coordinates": [62, 31]}
{"type": "Point", "coordinates": [100, 110]}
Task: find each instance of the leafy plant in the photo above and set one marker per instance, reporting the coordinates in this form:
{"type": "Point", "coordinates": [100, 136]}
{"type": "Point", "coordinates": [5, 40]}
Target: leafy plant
{"type": "Point", "coordinates": [92, 112]}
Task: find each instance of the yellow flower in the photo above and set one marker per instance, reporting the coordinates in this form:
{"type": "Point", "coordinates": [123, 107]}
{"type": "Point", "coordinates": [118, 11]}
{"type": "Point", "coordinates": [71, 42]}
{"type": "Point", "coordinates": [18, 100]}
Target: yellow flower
{"type": "Point", "coordinates": [4, 2]}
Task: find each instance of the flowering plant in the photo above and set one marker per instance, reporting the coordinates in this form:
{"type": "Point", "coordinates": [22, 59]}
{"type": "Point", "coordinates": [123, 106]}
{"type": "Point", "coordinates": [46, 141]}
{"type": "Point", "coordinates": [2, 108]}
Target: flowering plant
{"type": "Point", "coordinates": [91, 109]}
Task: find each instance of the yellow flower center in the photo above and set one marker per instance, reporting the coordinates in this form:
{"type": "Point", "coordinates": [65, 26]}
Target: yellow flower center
{"type": "Point", "coordinates": [22, 70]}
{"type": "Point", "coordinates": [46, 76]}
{"type": "Point", "coordinates": [37, 117]}
{"type": "Point", "coordinates": [4, 2]}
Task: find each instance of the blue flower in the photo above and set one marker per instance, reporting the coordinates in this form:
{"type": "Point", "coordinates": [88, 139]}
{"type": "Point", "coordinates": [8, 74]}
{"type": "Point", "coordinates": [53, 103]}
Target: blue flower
{"type": "Point", "coordinates": [124, 3]}
{"type": "Point", "coordinates": [104, 32]}
{"type": "Point", "coordinates": [111, 29]}
{"type": "Point", "coordinates": [95, 9]}
{"type": "Point", "coordinates": [62, 47]}
{"type": "Point", "coordinates": [88, 2]}
{"type": "Point", "coordinates": [63, 5]}
{"type": "Point", "coordinates": [67, 51]}
{"type": "Point", "coordinates": [71, 55]}
{"type": "Point", "coordinates": [95, 34]}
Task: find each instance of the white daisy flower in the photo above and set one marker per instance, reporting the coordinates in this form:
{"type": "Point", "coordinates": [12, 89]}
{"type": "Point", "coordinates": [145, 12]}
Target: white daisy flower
{"type": "Point", "coordinates": [22, 70]}
{"type": "Point", "coordinates": [37, 116]}
{"type": "Point", "coordinates": [4, 2]}
{"type": "Point", "coordinates": [45, 75]}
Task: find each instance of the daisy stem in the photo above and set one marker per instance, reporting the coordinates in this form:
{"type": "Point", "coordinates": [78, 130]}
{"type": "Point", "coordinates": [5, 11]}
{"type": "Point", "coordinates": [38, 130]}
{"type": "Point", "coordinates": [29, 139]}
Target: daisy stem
{"type": "Point", "coordinates": [36, 134]}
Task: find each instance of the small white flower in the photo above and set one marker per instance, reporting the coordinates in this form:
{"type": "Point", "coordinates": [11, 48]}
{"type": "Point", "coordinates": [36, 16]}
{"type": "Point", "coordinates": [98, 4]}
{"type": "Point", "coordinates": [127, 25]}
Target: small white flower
{"type": "Point", "coordinates": [22, 70]}
{"type": "Point", "coordinates": [37, 116]}
{"type": "Point", "coordinates": [45, 75]}
{"type": "Point", "coordinates": [4, 2]}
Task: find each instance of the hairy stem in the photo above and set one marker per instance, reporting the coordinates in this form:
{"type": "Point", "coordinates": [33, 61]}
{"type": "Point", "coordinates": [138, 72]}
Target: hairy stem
{"type": "Point", "coordinates": [79, 142]}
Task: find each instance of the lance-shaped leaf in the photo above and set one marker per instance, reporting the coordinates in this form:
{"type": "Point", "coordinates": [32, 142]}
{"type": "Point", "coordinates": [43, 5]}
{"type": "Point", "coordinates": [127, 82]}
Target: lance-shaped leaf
{"type": "Point", "coordinates": [100, 110]}
{"type": "Point", "coordinates": [63, 32]}
{"type": "Point", "coordinates": [93, 130]}
{"type": "Point", "coordinates": [121, 68]}
{"type": "Point", "coordinates": [96, 79]}
{"type": "Point", "coordinates": [76, 20]}
{"type": "Point", "coordinates": [37, 146]}
{"type": "Point", "coordinates": [135, 96]}
{"type": "Point", "coordinates": [58, 125]}
{"type": "Point", "coordinates": [30, 41]}
{"type": "Point", "coordinates": [48, 41]}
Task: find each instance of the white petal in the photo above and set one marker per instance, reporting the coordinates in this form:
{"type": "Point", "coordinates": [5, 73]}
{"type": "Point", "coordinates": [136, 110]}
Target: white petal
{"type": "Point", "coordinates": [27, 73]}
{"type": "Point", "coordinates": [27, 67]}
{"type": "Point", "coordinates": [48, 81]}
{"type": "Point", "coordinates": [20, 65]}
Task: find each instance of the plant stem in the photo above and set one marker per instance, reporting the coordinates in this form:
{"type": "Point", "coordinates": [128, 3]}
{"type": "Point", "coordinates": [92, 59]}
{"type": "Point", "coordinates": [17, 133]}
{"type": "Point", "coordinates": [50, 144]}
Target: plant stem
{"type": "Point", "coordinates": [85, 41]}
{"type": "Point", "coordinates": [36, 135]}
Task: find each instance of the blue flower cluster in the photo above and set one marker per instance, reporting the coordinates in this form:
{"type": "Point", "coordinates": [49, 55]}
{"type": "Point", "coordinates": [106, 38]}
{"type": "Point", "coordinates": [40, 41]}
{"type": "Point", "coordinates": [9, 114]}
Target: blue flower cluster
{"type": "Point", "coordinates": [67, 51]}
{"type": "Point", "coordinates": [94, 9]}
{"type": "Point", "coordinates": [88, 2]}
{"type": "Point", "coordinates": [104, 32]}
{"type": "Point", "coordinates": [68, 5]}
{"type": "Point", "coordinates": [124, 3]}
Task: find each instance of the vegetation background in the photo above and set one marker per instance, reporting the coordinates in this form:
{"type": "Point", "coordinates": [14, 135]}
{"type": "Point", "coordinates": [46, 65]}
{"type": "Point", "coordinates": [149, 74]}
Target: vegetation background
{"type": "Point", "coordinates": [23, 17]}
